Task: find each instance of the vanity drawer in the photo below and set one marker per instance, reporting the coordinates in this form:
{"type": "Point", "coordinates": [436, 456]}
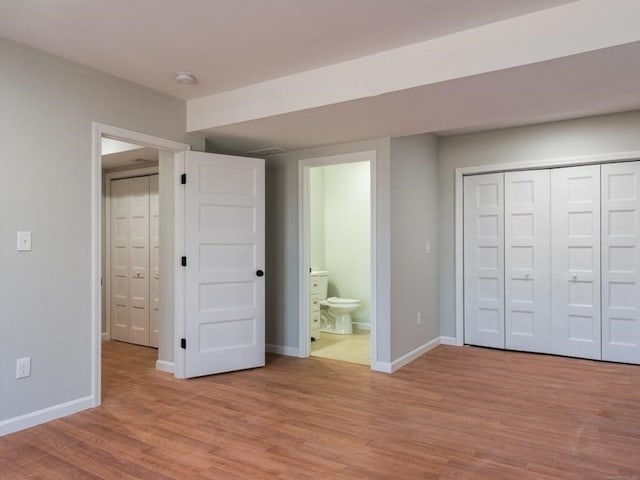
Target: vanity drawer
{"type": "Point", "coordinates": [314, 285]}
{"type": "Point", "coordinates": [314, 304]}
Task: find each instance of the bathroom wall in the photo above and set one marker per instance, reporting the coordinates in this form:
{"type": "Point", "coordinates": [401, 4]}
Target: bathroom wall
{"type": "Point", "coordinates": [282, 307]}
{"type": "Point", "coordinates": [344, 209]}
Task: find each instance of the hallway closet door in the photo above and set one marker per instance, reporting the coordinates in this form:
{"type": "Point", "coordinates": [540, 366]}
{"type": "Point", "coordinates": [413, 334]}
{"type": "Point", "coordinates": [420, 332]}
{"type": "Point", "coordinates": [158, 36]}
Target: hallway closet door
{"type": "Point", "coordinates": [621, 262]}
{"type": "Point", "coordinates": [154, 261]}
{"type": "Point", "coordinates": [484, 260]}
{"type": "Point", "coordinates": [575, 254]}
{"type": "Point", "coordinates": [130, 260]}
{"type": "Point", "coordinates": [527, 267]}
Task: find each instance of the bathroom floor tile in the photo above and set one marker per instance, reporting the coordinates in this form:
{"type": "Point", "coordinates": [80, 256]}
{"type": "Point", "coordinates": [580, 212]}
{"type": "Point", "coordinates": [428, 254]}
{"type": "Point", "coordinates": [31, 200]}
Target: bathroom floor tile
{"type": "Point", "coordinates": [354, 348]}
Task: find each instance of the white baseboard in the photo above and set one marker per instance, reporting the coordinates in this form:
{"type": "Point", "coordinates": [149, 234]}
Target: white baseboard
{"type": "Point", "coordinates": [282, 350]}
{"type": "Point", "coordinates": [105, 336]}
{"type": "Point", "coordinates": [361, 326]}
{"type": "Point", "coordinates": [45, 415]}
{"type": "Point", "coordinates": [165, 366]}
{"type": "Point", "coordinates": [390, 367]}
{"type": "Point", "coordinates": [449, 341]}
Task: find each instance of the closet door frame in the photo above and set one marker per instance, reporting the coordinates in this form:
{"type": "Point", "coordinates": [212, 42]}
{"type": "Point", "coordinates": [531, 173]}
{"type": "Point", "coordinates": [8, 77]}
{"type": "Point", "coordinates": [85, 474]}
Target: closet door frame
{"type": "Point", "coordinates": [106, 259]}
{"type": "Point", "coordinates": [461, 172]}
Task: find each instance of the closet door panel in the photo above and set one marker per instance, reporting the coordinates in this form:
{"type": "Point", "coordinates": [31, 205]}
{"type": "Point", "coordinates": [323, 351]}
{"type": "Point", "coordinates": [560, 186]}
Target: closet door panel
{"type": "Point", "coordinates": [621, 262]}
{"type": "Point", "coordinates": [120, 260]}
{"type": "Point", "coordinates": [484, 260]}
{"type": "Point", "coordinates": [154, 261]}
{"type": "Point", "coordinates": [527, 266]}
{"type": "Point", "coordinates": [575, 254]}
{"type": "Point", "coordinates": [139, 259]}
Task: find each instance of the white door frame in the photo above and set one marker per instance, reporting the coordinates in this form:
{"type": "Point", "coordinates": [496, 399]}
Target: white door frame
{"type": "Point", "coordinates": [304, 167]}
{"type": "Point", "coordinates": [98, 131]}
{"type": "Point", "coordinates": [506, 167]}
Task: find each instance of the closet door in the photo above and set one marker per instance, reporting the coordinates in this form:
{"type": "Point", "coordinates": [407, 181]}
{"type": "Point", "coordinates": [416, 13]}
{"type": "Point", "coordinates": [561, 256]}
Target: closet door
{"type": "Point", "coordinates": [621, 262]}
{"type": "Point", "coordinates": [527, 266]}
{"type": "Point", "coordinates": [139, 260]}
{"type": "Point", "coordinates": [154, 261]}
{"type": "Point", "coordinates": [484, 260]}
{"type": "Point", "coordinates": [120, 260]}
{"type": "Point", "coordinates": [575, 254]}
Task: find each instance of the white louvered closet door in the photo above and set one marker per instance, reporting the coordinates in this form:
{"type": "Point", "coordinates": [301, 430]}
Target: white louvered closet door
{"type": "Point", "coordinates": [120, 260]}
{"type": "Point", "coordinates": [484, 260]}
{"type": "Point", "coordinates": [575, 261]}
{"type": "Point", "coordinates": [527, 266]}
{"type": "Point", "coordinates": [621, 262]}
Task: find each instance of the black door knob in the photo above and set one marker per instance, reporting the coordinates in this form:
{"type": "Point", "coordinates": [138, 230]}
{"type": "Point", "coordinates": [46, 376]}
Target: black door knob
{"type": "Point", "coordinates": [259, 273]}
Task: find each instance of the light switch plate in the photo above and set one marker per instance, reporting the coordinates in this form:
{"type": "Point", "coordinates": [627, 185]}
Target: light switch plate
{"type": "Point", "coordinates": [24, 241]}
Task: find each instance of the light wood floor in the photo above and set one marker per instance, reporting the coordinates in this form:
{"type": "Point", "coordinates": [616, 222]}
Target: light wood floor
{"type": "Point", "coordinates": [352, 348]}
{"type": "Point", "coordinates": [455, 413]}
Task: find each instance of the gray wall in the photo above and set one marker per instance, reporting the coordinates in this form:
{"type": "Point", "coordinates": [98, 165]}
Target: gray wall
{"type": "Point", "coordinates": [414, 221]}
{"type": "Point", "coordinates": [48, 105]}
{"type": "Point", "coordinates": [282, 240]}
{"type": "Point", "coordinates": [588, 136]}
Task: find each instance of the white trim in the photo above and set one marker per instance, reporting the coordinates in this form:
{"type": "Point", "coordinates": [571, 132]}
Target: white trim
{"type": "Point", "coordinates": [107, 177]}
{"type": "Point", "coordinates": [97, 132]}
{"type": "Point", "coordinates": [165, 366]}
{"type": "Point", "coordinates": [283, 350]}
{"type": "Point", "coordinates": [361, 326]}
{"type": "Point", "coordinates": [303, 243]}
{"type": "Point", "coordinates": [413, 354]}
{"type": "Point", "coordinates": [525, 165]}
{"type": "Point", "coordinates": [45, 415]}
{"type": "Point", "coordinates": [179, 274]}
{"type": "Point", "coordinates": [105, 336]}
{"type": "Point", "coordinates": [449, 341]}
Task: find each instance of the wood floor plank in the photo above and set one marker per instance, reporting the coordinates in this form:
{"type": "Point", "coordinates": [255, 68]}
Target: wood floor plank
{"type": "Point", "coordinates": [455, 413]}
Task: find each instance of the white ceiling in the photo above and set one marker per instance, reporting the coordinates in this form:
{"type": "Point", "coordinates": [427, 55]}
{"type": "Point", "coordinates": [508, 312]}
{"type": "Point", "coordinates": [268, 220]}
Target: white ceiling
{"type": "Point", "coordinates": [529, 61]}
{"type": "Point", "coordinates": [232, 43]}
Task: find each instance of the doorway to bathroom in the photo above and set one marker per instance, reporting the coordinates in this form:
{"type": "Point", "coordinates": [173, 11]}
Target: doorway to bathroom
{"type": "Point", "coordinates": [337, 311]}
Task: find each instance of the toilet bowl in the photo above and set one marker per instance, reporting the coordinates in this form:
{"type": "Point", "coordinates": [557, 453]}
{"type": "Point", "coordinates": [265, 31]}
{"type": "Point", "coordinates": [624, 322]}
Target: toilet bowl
{"type": "Point", "coordinates": [335, 314]}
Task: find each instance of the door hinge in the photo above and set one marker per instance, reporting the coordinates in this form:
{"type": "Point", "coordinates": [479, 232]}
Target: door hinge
{"type": "Point", "coordinates": [184, 261]}
{"type": "Point", "coordinates": [183, 343]}
{"type": "Point", "coordinates": [183, 179]}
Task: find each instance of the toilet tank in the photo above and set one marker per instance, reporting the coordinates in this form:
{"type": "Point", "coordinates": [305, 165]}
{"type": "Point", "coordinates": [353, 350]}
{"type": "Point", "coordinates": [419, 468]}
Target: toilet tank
{"type": "Point", "coordinates": [319, 283]}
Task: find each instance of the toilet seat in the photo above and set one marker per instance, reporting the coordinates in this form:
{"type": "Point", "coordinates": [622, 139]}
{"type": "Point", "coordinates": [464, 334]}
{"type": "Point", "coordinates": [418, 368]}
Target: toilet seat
{"type": "Point", "coordinates": [339, 302]}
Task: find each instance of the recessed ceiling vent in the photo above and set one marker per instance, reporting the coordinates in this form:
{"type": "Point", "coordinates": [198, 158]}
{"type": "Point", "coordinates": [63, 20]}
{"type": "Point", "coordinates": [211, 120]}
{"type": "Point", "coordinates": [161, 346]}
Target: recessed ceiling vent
{"type": "Point", "coordinates": [265, 152]}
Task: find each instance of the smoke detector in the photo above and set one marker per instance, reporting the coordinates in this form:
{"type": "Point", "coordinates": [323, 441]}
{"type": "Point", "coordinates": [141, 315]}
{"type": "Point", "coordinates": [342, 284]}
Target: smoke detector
{"type": "Point", "coordinates": [185, 78]}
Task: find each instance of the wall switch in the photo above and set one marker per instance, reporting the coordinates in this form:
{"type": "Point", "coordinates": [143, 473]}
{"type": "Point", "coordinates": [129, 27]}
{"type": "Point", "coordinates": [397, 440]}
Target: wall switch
{"type": "Point", "coordinates": [419, 318]}
{"type": "Point", "coordinates": [427, 247]}
{"type": "Point", "coordinates": [23, 367]}
{"type": "Point", "coordinates": [24, 241]}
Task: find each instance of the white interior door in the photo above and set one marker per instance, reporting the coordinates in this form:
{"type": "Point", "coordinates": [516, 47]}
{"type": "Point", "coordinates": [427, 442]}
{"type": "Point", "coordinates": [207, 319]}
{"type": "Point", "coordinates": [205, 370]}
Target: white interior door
{"type": "Point", "coordinates": [575, 254]}
{"type": "Point", "coordinates": [484, 260]}
{"type": "Point", "coordinates": [224, 241]}
{"type": "Point", "coordinates": [527, 266]}
{"type": "Point", "coordinates": [154, 261]}
{"type": "Point", "coordinates": [621, 262]}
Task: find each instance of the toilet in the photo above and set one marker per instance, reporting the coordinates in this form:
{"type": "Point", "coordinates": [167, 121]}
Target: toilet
{"type": "Point", "coordinates": [335, 312]}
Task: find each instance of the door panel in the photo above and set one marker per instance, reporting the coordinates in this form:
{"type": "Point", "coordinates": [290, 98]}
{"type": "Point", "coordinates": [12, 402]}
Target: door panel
{"type": "Point", "coordinates": [154, 261]}
{"type": "Point", "coordinates": [225, 248]}
{"type": "Point", "coordinates": [120, 260]}
{"type": "Point", "coordinates": [621, 262]}
{"type": "Point", "coordinates": [575, 253]}
{"type": "Point", "coordinates": [527, 267]}
{"type": "Point", "coordinates": [484, 260]}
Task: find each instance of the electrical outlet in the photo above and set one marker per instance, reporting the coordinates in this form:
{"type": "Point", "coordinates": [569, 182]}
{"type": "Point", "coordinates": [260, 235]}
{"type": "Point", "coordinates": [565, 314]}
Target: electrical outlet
{"type": "Point", "coordinates": [427, 248]}
{"type": "Point", "coordinates": [419, 318]}
{"type": "Point", "coordinates": [23, 367]}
